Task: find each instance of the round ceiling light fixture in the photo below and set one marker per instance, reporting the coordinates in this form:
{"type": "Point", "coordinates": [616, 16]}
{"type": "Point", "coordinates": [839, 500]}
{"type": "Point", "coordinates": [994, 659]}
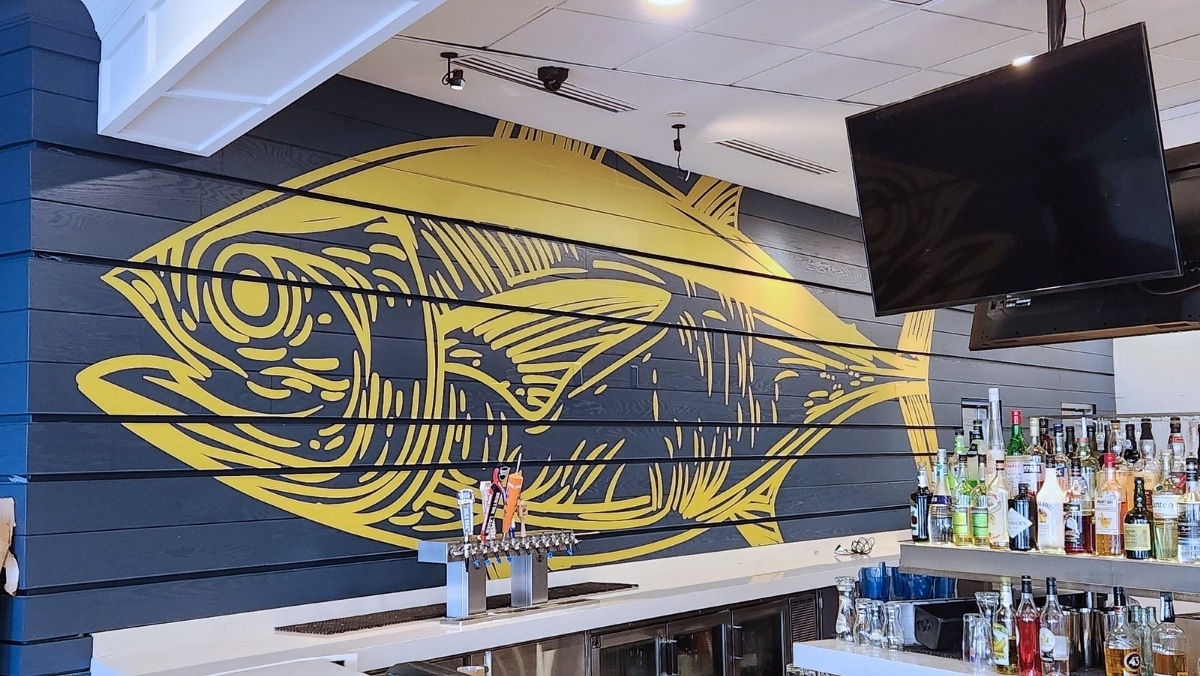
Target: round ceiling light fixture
{"type": "Point", "coordinates": [666, 3]}
{"type": "Point", "coordinates": [676, 113]}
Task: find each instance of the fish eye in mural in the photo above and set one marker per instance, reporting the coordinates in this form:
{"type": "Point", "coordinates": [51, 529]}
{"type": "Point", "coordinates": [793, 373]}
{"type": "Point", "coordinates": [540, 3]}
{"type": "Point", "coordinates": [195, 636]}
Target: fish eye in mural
{"type": "Point", "coordinates": [373, 348]}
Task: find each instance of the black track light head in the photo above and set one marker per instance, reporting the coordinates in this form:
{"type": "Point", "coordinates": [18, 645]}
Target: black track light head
{"type": "Point", "coordinates": [454, 76]}
{"type": "Point", "coordinates": [552, 77]}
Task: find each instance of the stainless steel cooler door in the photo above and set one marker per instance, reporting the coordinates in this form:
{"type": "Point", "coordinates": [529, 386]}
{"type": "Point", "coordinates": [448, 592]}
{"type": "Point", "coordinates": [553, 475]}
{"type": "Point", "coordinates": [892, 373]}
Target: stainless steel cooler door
{"type": "Point", "coordinates": [627, 653]}
{"type": "Point", "coordinates": [700, 644]}
{"type": "Point", "coordinates": [758, 641]}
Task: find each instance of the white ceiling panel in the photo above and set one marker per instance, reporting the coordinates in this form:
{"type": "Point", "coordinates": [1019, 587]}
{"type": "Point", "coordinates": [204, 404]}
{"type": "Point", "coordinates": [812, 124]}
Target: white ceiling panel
{"type": "Point", "coordinates": [998, 56]}
{"type": "Point", "coordinates": [905, 88]}
{"type": "Point", "coordinates": [1170, 71]}
{"type": "Point", "coordinates": [711, 58]}
{"type": "Point", "coordinates": [1179, 95]}
{"type": "Point", "coordinates": [827, 76]}
{"type": "Point", "coordinates": [687, 16]}
{"type": "Point", "coordinates": [924, 39]}
{"type": "Point", "coordinates": [807, 24]}
{"type": "Point", "coordinates": [476, 22]}
{"type": "Point", "coordinates": [1026, 14]}
{"type": "Point", "coordinates": [586, 38]}
{"type": "Point", "coordinates": [1166, 20]}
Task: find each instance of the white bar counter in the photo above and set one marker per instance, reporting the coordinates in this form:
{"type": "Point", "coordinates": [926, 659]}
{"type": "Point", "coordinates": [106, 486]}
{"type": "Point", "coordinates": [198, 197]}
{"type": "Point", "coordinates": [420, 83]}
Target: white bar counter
{"type": "Point", "coordinates": [248, 643]}
{"type": "Point", "coordinates": [841, 659]}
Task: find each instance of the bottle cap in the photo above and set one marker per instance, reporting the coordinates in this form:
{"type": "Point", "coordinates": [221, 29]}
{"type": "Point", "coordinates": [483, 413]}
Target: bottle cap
{"type": "Point", "coordinates": [1016, 416]}
{"type": "Point", "coordinates": [1023, 487]}
{"type": "Point", "coordinates": [1110, 460]}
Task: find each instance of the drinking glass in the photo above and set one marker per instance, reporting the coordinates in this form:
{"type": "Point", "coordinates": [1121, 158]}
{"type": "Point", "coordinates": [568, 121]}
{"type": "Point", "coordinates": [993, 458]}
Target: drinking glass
{"type": "Point", "coordinates": [894, 633]}
{"type": "Point", "coordinates": [862, 621]}
{"type": "Point", "coordinates": [878, 624]}
{"type": "Point", "coordinates": [874, 582]}
{"type": "Point", "coordinates": [977, 640]}
{"type": "Point", "coordinates": [846, 615]}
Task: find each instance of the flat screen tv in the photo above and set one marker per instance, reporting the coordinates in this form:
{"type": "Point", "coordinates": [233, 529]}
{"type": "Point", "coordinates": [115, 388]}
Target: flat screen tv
{"type": "Point", "coordinates": [1029, 179]}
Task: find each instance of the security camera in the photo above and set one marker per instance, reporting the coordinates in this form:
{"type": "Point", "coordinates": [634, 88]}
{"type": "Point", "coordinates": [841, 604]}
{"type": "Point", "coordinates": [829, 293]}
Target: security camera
{"type": "Point", "coordinates": [552, 77]}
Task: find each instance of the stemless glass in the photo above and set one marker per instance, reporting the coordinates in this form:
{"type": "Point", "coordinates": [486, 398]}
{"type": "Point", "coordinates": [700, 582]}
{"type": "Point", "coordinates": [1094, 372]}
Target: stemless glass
{"type": "Point", "coordinates": [862, 621]}
{"type": "Point", "coordinates": [894, 633]}
{"type": "Point", "coordinates": [977, 640]}
{"type": "Point", "coordinates": [846, 615]}
{"type": "Point", "coordinates": [878, 624]}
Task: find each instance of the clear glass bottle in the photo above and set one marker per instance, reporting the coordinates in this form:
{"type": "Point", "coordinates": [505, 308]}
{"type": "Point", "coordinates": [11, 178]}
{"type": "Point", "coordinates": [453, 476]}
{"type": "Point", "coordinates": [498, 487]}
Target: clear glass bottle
{"type": "Point", "coordinates": [1088, 465]}
{"type": "Point", "coordinates": [1150, 469]}
{"type": "Point", "coordinates": [940, 518]}
{"type": "Point", "coordinates": [1029, 623]}
{"type": "Point", "coordinates": [1050, 527]}
{"type": "Point", "coordinates": [1052, 636]}
{"type": "Point", "coordinates": [998, 493]}
{"type": "Point", "coordinates": [1060, 463]}
{"type": "Point", "coordinates": [1138, 535]}
{"type": "Point", "coordinates": [1024, 468]}
{"type": "Point", "coordinates": [1168, 644]}
{"type": "Point", "coordinates": [1109, 511]}
{"type": "Point", "coordinates": [1149, 624]}
{"type": "Point", "coordinates": [980, 530]}
{"type": "Point", "coordinates": [1004, 632]}
{"type": "Point", "coordinates": [918, 508]}
{"type": "Point", "coordinates": [963, 495]}
{"type": "Point", "coordinates": [1123, 648]}
{"type": "Point", "coordinates": [1189, 516]}
{"type": "Point", "coordinates": [1178, 448]}
{"type": "Point", "coordinates": [1077, 513]}
{"type": "Point", "coordinates": [844, 627]}
{"type": "Point", "coordinates": [1165, 511]}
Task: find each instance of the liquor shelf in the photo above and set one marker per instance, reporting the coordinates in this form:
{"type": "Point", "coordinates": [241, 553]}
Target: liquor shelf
{"type": "Point", "coordinates": [1087, 573]}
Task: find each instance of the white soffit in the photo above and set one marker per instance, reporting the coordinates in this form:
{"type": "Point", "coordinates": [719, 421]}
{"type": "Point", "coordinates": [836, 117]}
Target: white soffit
{"type": "Point", "coordinates": [193, 75]}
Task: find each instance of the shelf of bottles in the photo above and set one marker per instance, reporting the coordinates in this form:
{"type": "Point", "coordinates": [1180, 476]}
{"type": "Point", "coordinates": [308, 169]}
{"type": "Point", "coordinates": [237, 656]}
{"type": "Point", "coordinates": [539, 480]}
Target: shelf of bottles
{"type": "Point", "coordinates": [1094, 504]}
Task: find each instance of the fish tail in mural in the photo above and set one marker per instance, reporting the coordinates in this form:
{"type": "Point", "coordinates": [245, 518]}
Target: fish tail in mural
{"type": "Point", "coordinates": [370, 361]}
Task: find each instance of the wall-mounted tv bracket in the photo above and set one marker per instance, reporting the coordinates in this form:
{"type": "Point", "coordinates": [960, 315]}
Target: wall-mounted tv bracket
{"type": "Point", "coordinates": [466, 568]}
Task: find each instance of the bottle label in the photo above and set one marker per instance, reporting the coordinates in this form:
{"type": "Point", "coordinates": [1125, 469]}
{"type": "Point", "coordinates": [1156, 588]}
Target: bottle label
{"type": "Point", "coordinates": [1046, 641]}
{"type": "Point", "coordinates": [979, 523]}
{"type": "Point", "coordinates": [1013, 471]}
{"type": "Point", "coordinates": [1131, 662]}
{"type": "Point", "coordinates": [1017, 523]}
{"type": "Point", "coordinates": [1000, 638]}
{"type": "Point", "coordinates": [960, 520]}
{"type": "Point", "coordinates": [1166, 505]}
{"type": "Point", "coordinates": [912, 516]}
{"type": "Point", "coordinates": [1137, 537]}
{"type": "Point", "coordinates": [1108, 515]}
{"type": "Point", "coordinates": [1050, 525]}
{"type": "Point", "coordinates": [1061, 651]}
{"type": "Point", "coordinates": [997, 519]}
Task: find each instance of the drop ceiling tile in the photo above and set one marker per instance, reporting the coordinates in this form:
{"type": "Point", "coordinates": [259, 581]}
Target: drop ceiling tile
{"type": "Point", "coordinates": [475, 22]}
{"type": "Point", "coordinates": [688, 15]}
{"type": "Point", "coordinates": [1166, 20]}
{"type": "Point", "coordinates": [1170, 71]}
{"type": "Point", "coordinates": [1026, 14]}
{"type": "Point", "coordinates": [585, 38]}
{"type": "Point", "coordinates": [998, 56]}
{"type": "Point", "coordinates": [807, 24]}
{"type": "Point", "coordinates": [905, 88]}
{"type": "Point", "coordinates": [711, 58]}
{"type": "Point", "coordinates": [1187, 48]}
{"type": "Point", "coordinates": [924, 39]}
{"type": "Point", "coordinates": [1179, 95]}
{"type": "Point", "coordinates": [827, 76]}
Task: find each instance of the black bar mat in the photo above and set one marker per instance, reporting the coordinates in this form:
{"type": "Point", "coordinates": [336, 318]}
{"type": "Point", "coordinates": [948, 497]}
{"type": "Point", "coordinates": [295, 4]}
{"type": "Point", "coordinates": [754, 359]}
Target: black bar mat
{"type": "Point", "coordinates": [345, 625]}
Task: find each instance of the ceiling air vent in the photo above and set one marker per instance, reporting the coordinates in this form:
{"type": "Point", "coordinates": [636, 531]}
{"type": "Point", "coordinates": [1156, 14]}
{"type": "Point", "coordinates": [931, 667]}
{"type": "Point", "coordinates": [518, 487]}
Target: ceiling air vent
{"type": "Point", "coordinates": [511, 73]}
{"type": "Point", "coordinates": [772, 155]}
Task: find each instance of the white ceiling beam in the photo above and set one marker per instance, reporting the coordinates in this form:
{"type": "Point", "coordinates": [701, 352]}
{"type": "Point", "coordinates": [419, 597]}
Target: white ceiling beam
{"type": "Point", "coordinates": [193, 76]}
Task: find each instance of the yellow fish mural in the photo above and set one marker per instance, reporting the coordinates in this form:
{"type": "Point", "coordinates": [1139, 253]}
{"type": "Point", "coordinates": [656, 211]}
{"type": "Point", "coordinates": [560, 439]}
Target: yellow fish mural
{"type": "Point", "coordinates": [337, 328]}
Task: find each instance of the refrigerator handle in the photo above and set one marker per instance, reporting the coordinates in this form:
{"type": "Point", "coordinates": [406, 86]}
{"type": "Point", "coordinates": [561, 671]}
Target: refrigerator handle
{"type": "Point", "coordinates": [737, 641]}
{"type": "Point", "coordinates": [668, 650]}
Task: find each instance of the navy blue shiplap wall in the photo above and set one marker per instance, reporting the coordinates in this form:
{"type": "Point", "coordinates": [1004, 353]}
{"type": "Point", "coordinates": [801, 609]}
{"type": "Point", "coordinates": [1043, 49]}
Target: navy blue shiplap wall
{"type": "Point", "coordinates": [113, 532]}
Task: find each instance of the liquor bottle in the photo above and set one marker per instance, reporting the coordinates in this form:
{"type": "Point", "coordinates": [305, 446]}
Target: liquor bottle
{"type": "Point", "coordinates": [1077, 513]}
{"type": "Point", "coordinates": [1017, 451]}
{"type": "Point", "coordinates": [1109, 511]}
{"type": "Point", "coordinates": [1022, 527]}
{"type": "Point", "coordinates": [1189, 516]}
{"type": "Point", "coordinates": [1004, 633]}
{"type": "Point", "coordinates": [1035, 457]}
{"type": "Point", "coordinates": [963, 496]}
{"type": "Point", "coordinates": [1052, 636]}
{"type": "Point", "coordinates": [1178, 449]}
{"type": "Point", "coordinates": [1168, 643]}
{"type": "Point", "coordinates": [1094, 444]}
{"type": "Point", "coordinates": [980, 528]}
{"type": "Point", "coordinates": [1029, 624]}
{"type": "Point", "coordinates": [1137, 524]}
{"type": "Point", "coordinates": [1149, 624]}
{"type": "Point", "coordinates": [1149, 468]}
{"type": "Point", "coordinates": [995, 437]}
{"type": "Point", "coordinates": [1164, 510]}
{"type": "Point", "coordinates": [998, 493]}
{"type": "Point", "coordinates": [958, 468]}
{"type": "Point", "coordinates": [1122, 648]}
{"type": "Point", "coordinates": [1059, 465]}
{"type": "Point", "coordinates": [940, 519]}
{"type": "Point", "coordinates": [918, 507]}
{"type": "Point", "coordinates": [1131, 453]}
{"type": "Point", "coordinates": [1146, 441]}
{"type": "Point", "coordinates": [977, 463]}
{"type": "Point", "coordinates": [1087, 462]}
{"type": "Point", "coordinates": [1050, 526]}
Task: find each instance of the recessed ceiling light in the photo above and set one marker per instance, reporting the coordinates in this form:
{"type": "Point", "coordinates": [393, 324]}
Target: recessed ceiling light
{"type": "Point", "coordinates": [1023, 60]}
{"type": "Point", "coordinates": [666, 3]}
{"type": "Point", "coordinates": [676, 113]}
